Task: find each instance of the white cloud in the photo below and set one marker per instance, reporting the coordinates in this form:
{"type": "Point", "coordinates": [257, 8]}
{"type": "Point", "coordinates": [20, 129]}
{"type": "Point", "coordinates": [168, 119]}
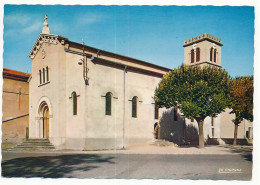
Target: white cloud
{"type": "Point", "coordinates": [25, 29]}
{"type": "Point", "coordinates": [36, 26]}
{"type": "Point", "coordinates": [16, 19]}
{"type": "Point", "coordinates": [18, 23]}
{"type": "Point", "coordinates": [90, 18]}
{"type": "Point", "coordinates": [58, 27]}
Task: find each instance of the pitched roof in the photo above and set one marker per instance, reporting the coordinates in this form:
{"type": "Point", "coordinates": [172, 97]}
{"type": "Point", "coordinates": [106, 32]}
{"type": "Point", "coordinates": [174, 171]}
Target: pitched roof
{"type": "Point", "coordinates": [51, 38]}
{"type": "Point", "coordinates": [117, 56]}
{"type": "Point", "coordinates": [15, 75]}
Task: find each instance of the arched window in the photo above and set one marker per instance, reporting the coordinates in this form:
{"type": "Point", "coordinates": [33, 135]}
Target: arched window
{"type": "Point", "coordinates": [156, 111]}
{"type": "Point", "coordinates": [47, 73]}
{"type": "Point", "coordinates": [211, 54]}
{"type": "Point", "coordinates": [108, 103]}
{"type": "Point", "coordinates": [74, 100]}
{"type": "Point", "coordinates": [215, 55]}
{"type": "Point", "coordinates": [134, 107]}
{"type": "Point", "coordinates": [192, 56]}
{"type": "Point", "coordinates": [43, 75]}
{"type": "Point", "coordinates": [40, 76]}
{"type": "Point", "coordinates": [197, 54]}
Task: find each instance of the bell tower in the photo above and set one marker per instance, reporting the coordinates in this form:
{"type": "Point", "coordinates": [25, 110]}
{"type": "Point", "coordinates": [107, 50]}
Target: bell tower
{"type": "Point", "coordinates": [203, 50]}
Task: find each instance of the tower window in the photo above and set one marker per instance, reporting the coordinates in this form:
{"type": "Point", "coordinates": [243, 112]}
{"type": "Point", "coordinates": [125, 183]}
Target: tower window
{"type": "Point", "coordinates": [211, 54]}
{"type": "Point", "coordinates": [108, 103]}
{"type": "Point", "coordinates": [192, 56]}
{"type": "Point", "coordinates": [197, 54]}
{"type": "Point", "coordinates": [215, 55]}
{"type": "Point", "coordinates": [74, 100]}
{"type": "Point", "coordinates": [156, 111]}
{"type": "Point", "coordinates": [134, 107]}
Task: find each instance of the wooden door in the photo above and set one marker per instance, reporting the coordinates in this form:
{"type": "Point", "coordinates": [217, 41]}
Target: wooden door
{"type": "Point", "coordinates": [47, 124]}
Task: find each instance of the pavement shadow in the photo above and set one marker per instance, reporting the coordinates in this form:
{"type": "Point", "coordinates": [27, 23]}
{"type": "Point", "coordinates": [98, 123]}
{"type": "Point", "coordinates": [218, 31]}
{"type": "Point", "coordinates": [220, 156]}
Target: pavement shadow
{"type": "Point", "coordinates": [51, 166]}
{"type": "Point", "coordinates": [246, 152]}
{"type": "Point", "coordinates": [192, 136]}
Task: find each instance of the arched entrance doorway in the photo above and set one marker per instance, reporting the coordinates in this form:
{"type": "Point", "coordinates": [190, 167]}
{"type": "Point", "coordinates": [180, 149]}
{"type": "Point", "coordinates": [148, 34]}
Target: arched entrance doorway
{"type": "Point", "coordinates": [156, 130]}
{"type": "Point", "coordinates": [44, 120]}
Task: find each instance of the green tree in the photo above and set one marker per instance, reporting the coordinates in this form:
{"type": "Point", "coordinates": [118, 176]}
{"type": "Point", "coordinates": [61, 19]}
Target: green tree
{"type": "Point", "coordinates": [197, 91]}
{"type": "Point", "coordinates": [241, 92]}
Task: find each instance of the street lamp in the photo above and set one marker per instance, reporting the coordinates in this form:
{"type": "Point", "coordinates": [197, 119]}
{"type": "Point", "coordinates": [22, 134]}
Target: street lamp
{"type": "Point", "coordinates": [83, 62]}
{"type": "Point", "coordinates": [80, 62]}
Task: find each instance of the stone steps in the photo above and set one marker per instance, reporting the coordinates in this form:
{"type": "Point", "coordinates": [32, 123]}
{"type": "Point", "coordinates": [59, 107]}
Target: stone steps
{"type": "Point", "coordinates": [33, 144]}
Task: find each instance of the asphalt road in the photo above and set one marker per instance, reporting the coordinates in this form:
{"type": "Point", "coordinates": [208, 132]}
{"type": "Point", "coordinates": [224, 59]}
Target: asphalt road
{"type": "Point", "coordinates": [133, 166]}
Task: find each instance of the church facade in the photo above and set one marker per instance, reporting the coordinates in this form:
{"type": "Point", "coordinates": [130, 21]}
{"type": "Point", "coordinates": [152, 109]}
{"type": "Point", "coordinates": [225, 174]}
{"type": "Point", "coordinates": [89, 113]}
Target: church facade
{"type": "Point", "coordinates": [86, 98]}
{"type": "Point", "coordinates": [106, 102]}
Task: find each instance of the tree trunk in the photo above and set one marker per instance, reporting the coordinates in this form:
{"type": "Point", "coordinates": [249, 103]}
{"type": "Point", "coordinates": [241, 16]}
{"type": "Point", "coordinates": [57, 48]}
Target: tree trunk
{"type": "Point", "coordinates": [201, 134]}
{"type": "Point", "coordinates": [235, 135]}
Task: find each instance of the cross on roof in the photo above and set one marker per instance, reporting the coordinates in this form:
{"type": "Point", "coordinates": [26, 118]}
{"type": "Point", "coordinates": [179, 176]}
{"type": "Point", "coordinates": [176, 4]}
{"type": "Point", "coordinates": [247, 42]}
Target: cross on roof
{"type": "Point", "coordinates": [45, 18]}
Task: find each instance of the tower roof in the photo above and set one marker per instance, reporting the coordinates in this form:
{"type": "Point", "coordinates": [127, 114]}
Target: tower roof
{"type": "Point", "coordinates": [202, 37]}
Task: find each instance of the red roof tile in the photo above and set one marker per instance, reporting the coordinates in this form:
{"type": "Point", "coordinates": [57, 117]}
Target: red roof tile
{"type": "Point", "coordinates": [15, 75]}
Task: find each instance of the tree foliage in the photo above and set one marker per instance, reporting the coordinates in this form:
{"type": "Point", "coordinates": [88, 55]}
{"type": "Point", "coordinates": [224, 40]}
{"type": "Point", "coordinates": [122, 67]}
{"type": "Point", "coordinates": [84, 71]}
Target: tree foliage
{"type": "Point", "coordinates": [197, 91]}
{"type": "Point", "coordinates": [241, 92]}
{"type": "Point", "coordinates": [241, 101]}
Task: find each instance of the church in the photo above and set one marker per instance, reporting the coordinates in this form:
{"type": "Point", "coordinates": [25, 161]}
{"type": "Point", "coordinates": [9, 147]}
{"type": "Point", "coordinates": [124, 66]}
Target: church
{"type": "Point", "coordinates": [84, 98]}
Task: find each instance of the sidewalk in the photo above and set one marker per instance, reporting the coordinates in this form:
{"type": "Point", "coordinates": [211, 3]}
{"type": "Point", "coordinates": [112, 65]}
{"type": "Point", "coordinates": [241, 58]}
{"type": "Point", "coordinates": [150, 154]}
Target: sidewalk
{"type": "Point", "coordinates": [155, 149]}
{"type": "Point", "coordinates": [176, 150]}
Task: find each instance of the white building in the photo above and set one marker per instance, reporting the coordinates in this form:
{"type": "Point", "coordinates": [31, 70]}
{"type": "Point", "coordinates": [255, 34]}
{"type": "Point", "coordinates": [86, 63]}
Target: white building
{"type": "Point", "coordinates": [86, 98]}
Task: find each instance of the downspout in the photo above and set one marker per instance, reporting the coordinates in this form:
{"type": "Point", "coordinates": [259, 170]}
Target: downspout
{"type": "Point", "coordinates": [124, 109]}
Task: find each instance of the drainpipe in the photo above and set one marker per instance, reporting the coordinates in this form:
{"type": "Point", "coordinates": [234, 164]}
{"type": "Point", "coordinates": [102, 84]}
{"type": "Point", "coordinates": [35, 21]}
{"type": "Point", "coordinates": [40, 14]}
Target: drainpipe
{"type": "Point", "coordinates": [124, 109]}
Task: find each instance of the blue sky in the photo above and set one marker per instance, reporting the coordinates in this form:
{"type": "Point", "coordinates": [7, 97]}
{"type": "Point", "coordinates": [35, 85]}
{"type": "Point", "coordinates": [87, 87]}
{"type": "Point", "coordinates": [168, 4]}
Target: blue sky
{"type": "Point", "coordinates": [151, 33]}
